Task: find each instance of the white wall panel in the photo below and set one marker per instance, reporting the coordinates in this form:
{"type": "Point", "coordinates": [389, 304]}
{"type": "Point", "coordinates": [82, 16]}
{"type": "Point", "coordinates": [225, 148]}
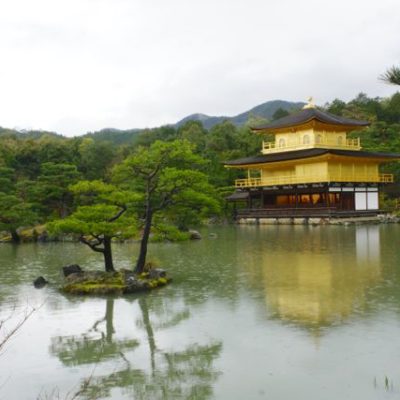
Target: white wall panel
{"type": "Point", "coordinates": [361, 201]}
{"type": "Point", "coordinates": [372, 201]}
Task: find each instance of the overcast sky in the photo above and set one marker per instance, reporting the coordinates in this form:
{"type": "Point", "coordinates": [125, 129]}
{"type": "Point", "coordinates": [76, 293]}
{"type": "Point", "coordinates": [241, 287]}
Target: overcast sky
{"type": "Point", "coordinates": [74, 66]}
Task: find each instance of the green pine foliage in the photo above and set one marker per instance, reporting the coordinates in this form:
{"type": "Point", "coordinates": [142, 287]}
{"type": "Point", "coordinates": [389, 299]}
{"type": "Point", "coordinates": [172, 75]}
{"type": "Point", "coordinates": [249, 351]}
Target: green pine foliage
{"type": "Point", "coordinates": [15, 211]}
{"type": "Point", "coordinates": [102, 214]}
{"type": "Point", "coordinates": [175, 190]}
{"type": "Point", "coordinates": [392, 75]}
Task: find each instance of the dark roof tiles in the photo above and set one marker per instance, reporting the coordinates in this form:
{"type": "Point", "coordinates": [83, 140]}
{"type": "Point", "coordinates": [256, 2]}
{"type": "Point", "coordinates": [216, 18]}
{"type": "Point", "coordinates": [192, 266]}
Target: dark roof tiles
{"type": "Point", "coordinates": [307, 153]}
{"type": "Point", "coordinates": [307, 115]}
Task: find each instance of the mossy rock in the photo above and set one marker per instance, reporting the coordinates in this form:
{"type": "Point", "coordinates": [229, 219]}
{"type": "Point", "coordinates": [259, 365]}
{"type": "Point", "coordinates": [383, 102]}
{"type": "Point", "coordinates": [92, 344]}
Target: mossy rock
{"type": "Point", "coordinates": [5, 238]}
{"type": "Point", "coordinates": [111, 283]}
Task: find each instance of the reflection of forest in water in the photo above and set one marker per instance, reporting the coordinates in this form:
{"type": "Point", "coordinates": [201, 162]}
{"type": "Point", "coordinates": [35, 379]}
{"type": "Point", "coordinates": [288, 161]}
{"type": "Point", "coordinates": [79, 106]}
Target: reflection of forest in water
{"type": "Point", "coordinates": [322, 276]}
{"type": "Point", "coordinates": [186, 374]}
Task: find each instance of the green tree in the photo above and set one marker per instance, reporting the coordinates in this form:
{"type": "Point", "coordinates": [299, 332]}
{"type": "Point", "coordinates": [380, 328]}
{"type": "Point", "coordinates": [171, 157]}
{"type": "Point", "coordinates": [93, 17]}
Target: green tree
{"type": "Point", "coordinates": [168, 176]}
{"type": "Point", "coordinates": [7, 151]}
{"type": "Point", "coordinates": [336, 107]}
{"type": "Point", "coordinates": [149, 136]}
{"type": "Point", "coordinates": [194, 132]}
{"type": "Point", "coordinates": [14, 213]}
{"type": "Point", "coordinates": [225, 142]}
{"type": "Point", "coordinates": [27, 160]}
{"type": "Point", "coordinates": [50, 190]}
{"type": "Point", "coordinates": [222, 137]}
{"type": "Point", "coordinates": [97, 158]}
{"type": "Point", "coordinates": [391, 109]}
{"type": "Point", "coordinates": [101, 216]}
{"type": "Point", "coordinates": [6, 179]}
{"type": "Point", "coordinates": [57, 150]}
{"type": "Point", "coordinates": [14, 210]}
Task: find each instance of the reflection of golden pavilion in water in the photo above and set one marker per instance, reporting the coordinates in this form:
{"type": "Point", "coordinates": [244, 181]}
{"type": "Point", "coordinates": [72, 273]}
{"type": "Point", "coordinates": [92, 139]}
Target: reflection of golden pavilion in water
{"type": "Point", "coordinates": [322, 285]}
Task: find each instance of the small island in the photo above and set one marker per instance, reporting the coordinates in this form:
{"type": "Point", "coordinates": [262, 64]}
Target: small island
{"type": "Point", "coordinates": [147, 186]}
{"type": "Point", "coordinates": [117, 283]}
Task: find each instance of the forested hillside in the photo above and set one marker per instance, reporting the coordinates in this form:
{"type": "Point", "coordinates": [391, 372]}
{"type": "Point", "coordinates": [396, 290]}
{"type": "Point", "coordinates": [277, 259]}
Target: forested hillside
{"type": "Point", "coordinates": [261, 113]}
{"type": "Point", "coordinates": [257, 115]}
{"type": "Point", "coordinates": [36, 168]}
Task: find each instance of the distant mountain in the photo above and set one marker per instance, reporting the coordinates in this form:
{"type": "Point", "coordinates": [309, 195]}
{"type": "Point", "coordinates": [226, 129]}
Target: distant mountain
{"type": "Point", "coordinates": [263, 111]}
{"type": "Point", "coordinates": [258, 114]}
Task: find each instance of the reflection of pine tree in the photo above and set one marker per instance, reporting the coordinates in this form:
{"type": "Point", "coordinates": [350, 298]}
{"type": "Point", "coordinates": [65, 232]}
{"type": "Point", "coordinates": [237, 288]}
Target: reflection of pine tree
{"type": "Point", "coordinates": [94, 345]}
{"type": "Point", "coordinates": [180, 375]}
{"type": "Point", "coordinates": [186, 374]}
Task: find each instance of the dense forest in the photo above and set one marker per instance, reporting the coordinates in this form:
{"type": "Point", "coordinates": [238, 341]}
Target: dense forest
{"type": "Point", "coordinates": [37, 169]}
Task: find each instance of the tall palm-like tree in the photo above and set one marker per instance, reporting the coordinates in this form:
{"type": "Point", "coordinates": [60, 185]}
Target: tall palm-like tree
{"type": "Point", "coordinates": [392, 75]}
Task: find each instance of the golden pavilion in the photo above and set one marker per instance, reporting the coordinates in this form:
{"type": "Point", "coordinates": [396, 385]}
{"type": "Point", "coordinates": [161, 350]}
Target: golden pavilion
{"type": "Point", "coordinates": [312, 168]}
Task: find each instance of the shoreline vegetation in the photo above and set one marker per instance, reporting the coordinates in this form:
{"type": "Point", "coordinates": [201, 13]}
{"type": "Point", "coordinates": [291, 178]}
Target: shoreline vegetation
{"type": "Point", "coordinates": [39, 233]}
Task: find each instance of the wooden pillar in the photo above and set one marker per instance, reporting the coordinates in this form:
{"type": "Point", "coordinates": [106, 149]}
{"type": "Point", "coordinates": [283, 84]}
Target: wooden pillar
{"type": "Point", "coordinates": [262, 198]}
{"type": "Point", "coordinates": [341, 199]}
{"type": "Point", "coordinates": [328, 204]}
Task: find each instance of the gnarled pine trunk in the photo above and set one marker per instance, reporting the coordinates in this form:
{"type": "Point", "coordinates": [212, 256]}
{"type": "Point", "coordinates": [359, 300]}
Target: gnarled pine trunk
{"type": "Point", "coordinates": [108, 261]}
{"type": "Point", "coordinates": [143, 244]}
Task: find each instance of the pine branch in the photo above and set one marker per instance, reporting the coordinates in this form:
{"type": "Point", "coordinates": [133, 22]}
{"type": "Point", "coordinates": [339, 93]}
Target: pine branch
{"type": "Point", "coordinates": [93, 246]}
{"type": "Point", "coordinates": [115, 217]}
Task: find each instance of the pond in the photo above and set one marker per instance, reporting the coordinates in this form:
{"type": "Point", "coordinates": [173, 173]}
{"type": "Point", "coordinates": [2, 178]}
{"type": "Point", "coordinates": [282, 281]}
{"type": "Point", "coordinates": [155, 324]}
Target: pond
{"type": "Point", "coordinates": [254, 312]}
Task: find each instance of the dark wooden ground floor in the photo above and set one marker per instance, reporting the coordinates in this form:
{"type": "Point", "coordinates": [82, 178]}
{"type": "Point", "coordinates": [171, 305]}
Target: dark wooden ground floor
{"type": "Point", "coordinates": [323, 212]}
{"type": "Point", "coordinates": [319, 200]}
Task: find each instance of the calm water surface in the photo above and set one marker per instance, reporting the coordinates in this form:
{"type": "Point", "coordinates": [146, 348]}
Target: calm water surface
{"type": "Point", "coordinates": [274, 312]}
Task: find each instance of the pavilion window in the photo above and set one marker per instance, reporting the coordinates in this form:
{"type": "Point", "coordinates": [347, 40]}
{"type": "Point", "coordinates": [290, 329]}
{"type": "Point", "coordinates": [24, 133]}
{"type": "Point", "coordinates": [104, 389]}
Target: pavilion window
{"type": "Point", "coordinates": [286, 200]}
{"type": "Point", "coordinates": [319, 139]}
{"type": "Point", "coordinates": [334, 199]}
{"type": "Point", "coordinates": [340, 140]}
{"type": "Point", "coordinates": [306, 139]}
{"type": "Point", "coordinates": [304, 199]}
{"type": "Point", "coordinates": [281, 143]}
{"type": "Point", "coordinates": [317, 198]}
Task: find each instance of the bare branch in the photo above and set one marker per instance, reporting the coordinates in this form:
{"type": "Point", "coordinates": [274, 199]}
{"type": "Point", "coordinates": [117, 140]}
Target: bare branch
{"type": "Point", "coordinates": [85, 385]}
{"type": "Point", "coordinates": [16, 328]}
